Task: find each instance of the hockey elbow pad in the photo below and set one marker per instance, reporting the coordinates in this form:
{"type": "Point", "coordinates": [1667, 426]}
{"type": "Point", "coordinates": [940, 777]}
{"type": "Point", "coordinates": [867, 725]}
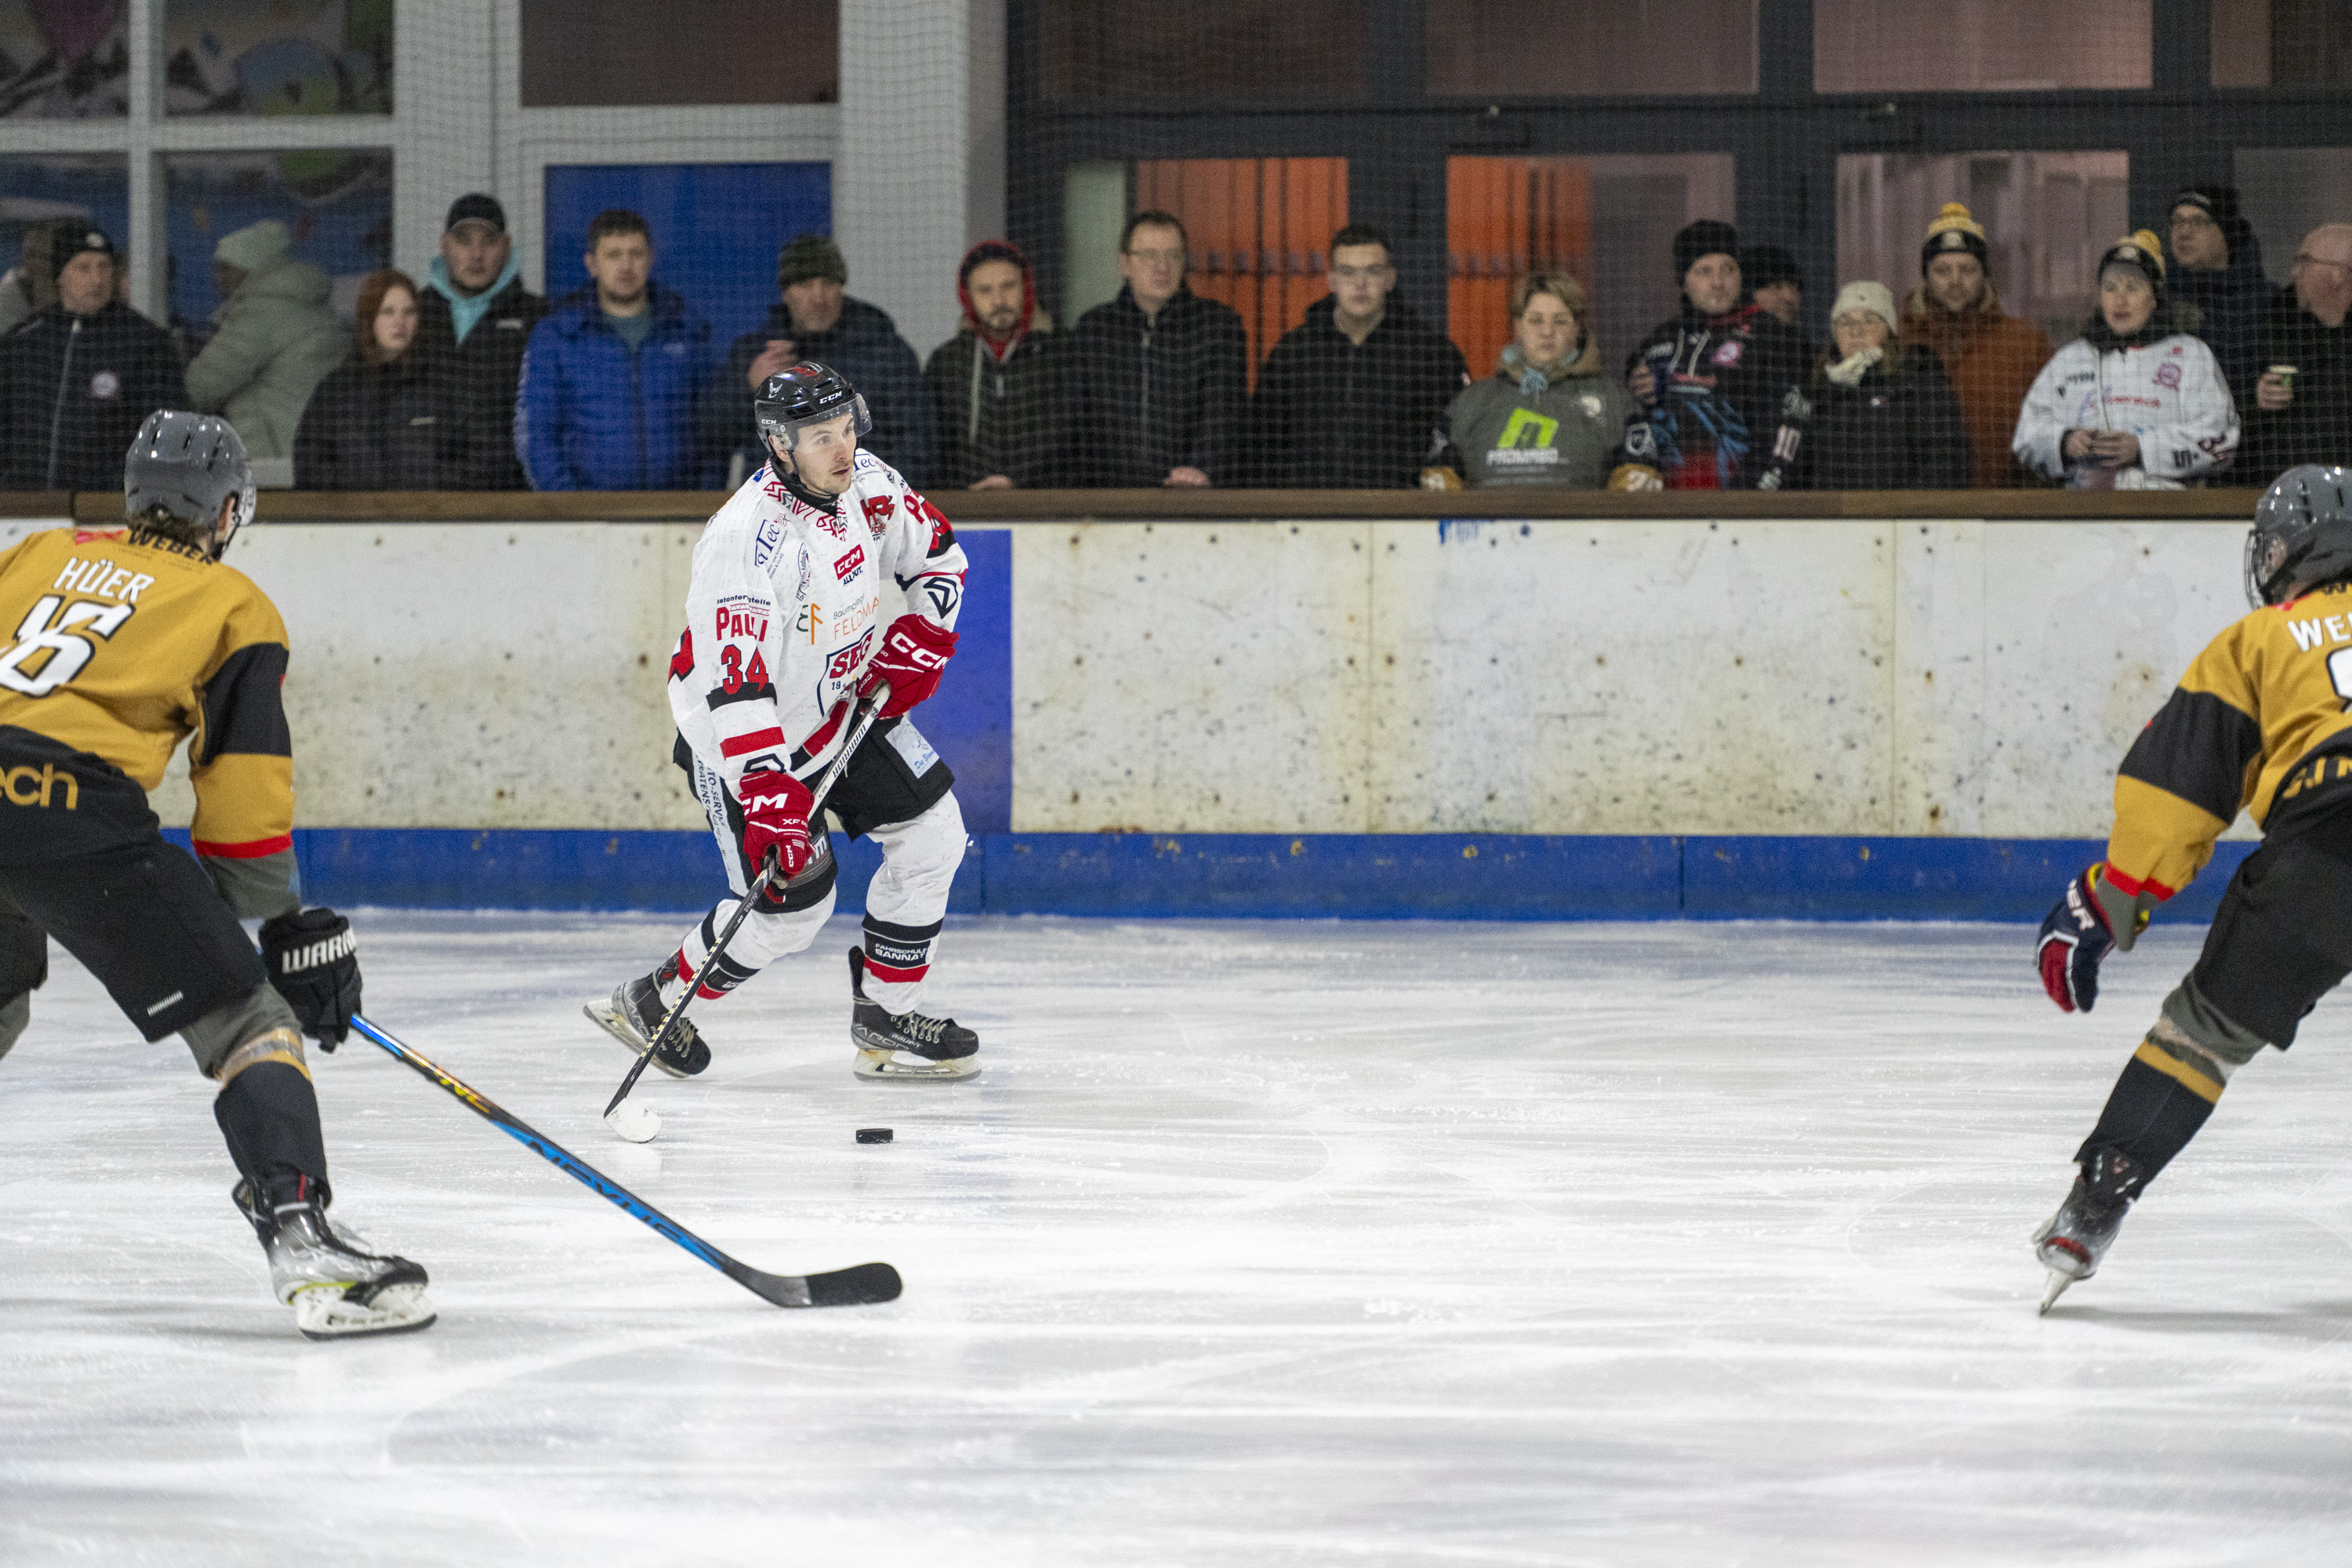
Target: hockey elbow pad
{"type": "Point", "coordinates": [314, 961]}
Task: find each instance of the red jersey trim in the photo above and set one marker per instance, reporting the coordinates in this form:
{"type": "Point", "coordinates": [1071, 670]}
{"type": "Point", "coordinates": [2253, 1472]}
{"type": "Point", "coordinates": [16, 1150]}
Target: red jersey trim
{"type": "Point", "coordinates": [2132, 887]}
{"type": "Point", "coordinates": [251, 849]}
{"type": "Point", "coordinates": [757, 741]}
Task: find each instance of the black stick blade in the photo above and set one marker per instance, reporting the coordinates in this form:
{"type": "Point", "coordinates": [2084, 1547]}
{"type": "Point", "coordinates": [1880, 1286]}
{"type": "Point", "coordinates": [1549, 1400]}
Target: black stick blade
{"type": "Point", "coordinates": [861, 1286]}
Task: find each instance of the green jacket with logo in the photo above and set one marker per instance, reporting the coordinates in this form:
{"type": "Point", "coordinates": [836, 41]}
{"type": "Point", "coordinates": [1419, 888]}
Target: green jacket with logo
{"type": "Point", "coordinates": [1566, 435]}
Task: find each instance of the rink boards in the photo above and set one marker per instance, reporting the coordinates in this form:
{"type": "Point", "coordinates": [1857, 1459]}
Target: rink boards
{"type": "Point", "coordinates": [1548, 719]}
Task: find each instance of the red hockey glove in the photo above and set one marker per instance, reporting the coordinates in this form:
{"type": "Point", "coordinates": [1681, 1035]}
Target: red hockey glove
{"type": "Point", "coordinates": [776, 817]}
{"type": "Point", "coordinates": [913, 654]}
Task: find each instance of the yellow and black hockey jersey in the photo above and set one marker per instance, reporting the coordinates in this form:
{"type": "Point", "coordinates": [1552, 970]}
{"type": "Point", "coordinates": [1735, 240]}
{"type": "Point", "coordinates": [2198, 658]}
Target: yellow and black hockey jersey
{"type": "Point", "coordinates": [118, 646]}
{"type": "Point", "coordinates": [2258, 724]}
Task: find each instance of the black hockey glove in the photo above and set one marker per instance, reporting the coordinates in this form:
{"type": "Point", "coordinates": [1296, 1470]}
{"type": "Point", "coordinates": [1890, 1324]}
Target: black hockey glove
{"type": "Point", "coordinates": [314, 961]}
{"type": "Point", "coordinates": [2075, 938]}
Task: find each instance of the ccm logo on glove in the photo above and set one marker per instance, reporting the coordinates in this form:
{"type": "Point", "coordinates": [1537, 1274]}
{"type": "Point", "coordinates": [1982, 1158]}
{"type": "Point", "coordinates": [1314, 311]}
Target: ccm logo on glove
{"type": "Point", "coordinates": [914, 653]}
{"type": "Point", "coordinates": [775, 816]}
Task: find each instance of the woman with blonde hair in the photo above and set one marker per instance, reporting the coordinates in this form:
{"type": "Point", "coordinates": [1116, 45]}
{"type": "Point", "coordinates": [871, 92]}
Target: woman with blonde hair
{"type": "Point", "coordinates": [380, 421]}
{"type": "Point", "coordinates": [1548, 415]}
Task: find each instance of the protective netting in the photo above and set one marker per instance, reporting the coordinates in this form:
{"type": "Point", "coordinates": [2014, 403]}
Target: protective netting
{"type": "Point", "coordinates": [1849, 243]}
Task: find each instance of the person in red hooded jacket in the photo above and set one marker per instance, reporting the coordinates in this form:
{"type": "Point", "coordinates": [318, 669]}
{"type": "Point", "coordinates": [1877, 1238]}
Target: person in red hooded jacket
{"type": "Point", "coordinates": [999, 387]}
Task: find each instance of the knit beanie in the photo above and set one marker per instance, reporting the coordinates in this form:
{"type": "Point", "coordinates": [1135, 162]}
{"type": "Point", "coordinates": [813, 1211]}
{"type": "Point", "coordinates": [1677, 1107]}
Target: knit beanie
{"type": "Point", "coordinates": [1954, 229]}
{"type": "Point", "coordinates": [1708, 236]}
{"type": "Point", "coordinates": [1875, 298]}
{"type": "Point", "coordinates": [2140, 249]}
{"type": "Point", "coordinates": [810, 255]}
{"type": "Point", "coordinates": [2219, 203]}
{"type": "Point", "coordinates": [255, 245]}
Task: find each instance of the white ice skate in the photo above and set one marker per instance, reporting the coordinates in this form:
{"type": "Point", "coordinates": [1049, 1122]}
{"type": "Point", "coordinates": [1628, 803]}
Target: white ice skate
{"type": "Point", "coordinates": [338, 1288]}
{"type": "Point", "coordinates": [905, 1047]}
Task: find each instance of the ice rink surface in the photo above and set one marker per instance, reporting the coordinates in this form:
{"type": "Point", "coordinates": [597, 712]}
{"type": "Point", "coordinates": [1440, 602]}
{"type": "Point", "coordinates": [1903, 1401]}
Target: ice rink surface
{"type": "Point", "coordinates": [1255, 1243]}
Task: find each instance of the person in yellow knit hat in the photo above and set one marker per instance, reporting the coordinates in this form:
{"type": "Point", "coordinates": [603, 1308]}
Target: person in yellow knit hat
{"type": "Point", "coordinates": [1990, 357]}
{"type": "Point", "coordinates": [2259, 723]}
{"type": "Point", "coordinates": [119, 645]}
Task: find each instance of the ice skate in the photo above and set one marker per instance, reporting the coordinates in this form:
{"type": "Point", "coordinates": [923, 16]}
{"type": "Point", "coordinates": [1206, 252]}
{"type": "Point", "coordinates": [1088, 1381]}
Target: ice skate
{"type": "Point", "coordinates": [903, 1047]}
{"type": "Point", "coordinates": [338, 1288]}
{"type": "Point", "coordinates": [2077, 1236]}
{"type": "Point", "coordinates": [634, 1011]}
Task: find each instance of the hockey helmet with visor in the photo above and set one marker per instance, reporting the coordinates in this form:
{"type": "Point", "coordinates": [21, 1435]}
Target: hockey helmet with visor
{"type": "Point", "coordinates": [188, 465]}
{"type": "Point", "coordinates": [804, 394]}
{"type": "Point", "coordinates": [2302, 535]}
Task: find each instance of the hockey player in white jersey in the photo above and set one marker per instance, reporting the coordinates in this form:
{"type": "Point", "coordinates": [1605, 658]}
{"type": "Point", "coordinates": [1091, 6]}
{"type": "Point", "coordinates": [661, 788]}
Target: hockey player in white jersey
{"type": "Point", "coordinates": [789, 622]}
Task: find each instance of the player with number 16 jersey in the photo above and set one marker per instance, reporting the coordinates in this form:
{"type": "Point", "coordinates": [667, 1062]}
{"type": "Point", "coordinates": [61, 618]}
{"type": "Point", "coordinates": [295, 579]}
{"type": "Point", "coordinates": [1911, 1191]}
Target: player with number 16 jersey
{"type": "Point", "coordinates": [827, 578]}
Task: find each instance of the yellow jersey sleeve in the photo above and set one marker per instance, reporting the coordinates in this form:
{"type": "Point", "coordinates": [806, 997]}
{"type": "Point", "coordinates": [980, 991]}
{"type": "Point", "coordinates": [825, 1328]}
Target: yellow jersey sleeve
{"type": "Point", "coordinates": [2191, 772]}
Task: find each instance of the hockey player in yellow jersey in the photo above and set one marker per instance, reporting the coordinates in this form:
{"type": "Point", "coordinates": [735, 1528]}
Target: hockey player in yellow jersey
{"type": "Point", "coordinates": [2259, 723]}
{"type": "Point", "coordinates": [121, 643]}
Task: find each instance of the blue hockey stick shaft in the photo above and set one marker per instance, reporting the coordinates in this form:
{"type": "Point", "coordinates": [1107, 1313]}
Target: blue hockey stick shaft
{"type": "Point", "coordinates": [862, 1284]}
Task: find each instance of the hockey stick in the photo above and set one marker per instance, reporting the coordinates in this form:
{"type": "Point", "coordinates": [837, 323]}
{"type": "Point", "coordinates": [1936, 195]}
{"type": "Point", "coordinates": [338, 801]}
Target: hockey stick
{"type": "Point", "coordinates": [866, 710]}
{"type": "Point", "coordinates": [860, 1285]}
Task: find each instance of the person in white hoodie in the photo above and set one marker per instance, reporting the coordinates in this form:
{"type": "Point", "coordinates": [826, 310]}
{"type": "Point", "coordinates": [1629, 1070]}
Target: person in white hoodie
{"type": "Point", "coordinates": [2129, 404]}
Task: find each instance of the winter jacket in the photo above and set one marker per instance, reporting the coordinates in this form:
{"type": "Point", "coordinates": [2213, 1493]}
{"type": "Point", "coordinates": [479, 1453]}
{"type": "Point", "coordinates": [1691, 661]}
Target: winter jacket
{"type": "Point", "coordinates": [277, 340]}
{"type": "Point", "coordinates": [2225, 308]}
{"type": "Point", "coordinates": [477, 377]}
{"type": "Point", "coordinates": [2316, 427]}
{"type": "Point", "coordinates": [1334, 413]}
{"type": "Point", "coordinates": [862, 345]}
{"type": "Point", "coordinates": [591, 414]}
{"type": "Point", "coordinates": [1897, 429]}
{"type": "Point", "coordinates": [73, 391]}
{"type": "Point", "coordinates": [1159, 392]}
{"type": "Point", "coordinates": [1990, 359]}
{"type": "Point", "coordinates": [2164, 388]}
{"type": "Point", "coordinates": [1567, 435]}
{"type": "Point", "coordinates": [1723, 385]}
{"type": "Point", "coordinates": [380, 428]}
{"type": "Point", "coordinates": [1010, 417]}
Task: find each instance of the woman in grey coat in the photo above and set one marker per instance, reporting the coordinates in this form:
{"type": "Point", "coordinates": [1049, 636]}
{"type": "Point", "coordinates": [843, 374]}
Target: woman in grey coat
{"type": "Point", "coordinates": [1548, 415]}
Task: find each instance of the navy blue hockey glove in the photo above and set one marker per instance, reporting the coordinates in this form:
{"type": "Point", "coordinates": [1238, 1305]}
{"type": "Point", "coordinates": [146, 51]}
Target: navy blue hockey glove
{"type": "Point", "coordinates": [2074, 939]}
{"type": "Point", "coordinates": [314, 961]}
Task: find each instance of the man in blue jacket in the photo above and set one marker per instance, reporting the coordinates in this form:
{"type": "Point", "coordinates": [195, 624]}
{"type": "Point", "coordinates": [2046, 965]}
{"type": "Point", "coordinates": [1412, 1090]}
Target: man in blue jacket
{"type": "Point", "coordinates": [606, 401]}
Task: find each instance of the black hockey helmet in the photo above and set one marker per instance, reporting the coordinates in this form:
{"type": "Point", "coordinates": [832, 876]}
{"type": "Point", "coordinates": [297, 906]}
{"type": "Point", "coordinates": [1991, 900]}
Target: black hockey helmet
{"type": "Point", "coordinates": [806, 393]}
{"type": "Point", "coordinates": [2302, 534]}
{"type": "Point", "coordinates": [187, 463]}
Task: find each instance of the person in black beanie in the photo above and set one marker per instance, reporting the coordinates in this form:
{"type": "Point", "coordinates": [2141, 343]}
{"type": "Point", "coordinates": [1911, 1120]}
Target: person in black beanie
{"type": "Point", "coordinates": [79, 375]}
{"type": "Point", "coordinates": [2218, 289]}
{"type": "Point", "coordinates": [1718, 380]}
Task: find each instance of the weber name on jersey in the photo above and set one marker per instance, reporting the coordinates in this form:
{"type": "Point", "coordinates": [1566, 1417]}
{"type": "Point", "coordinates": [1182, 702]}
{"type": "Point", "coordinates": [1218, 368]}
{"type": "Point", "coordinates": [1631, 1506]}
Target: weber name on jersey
{"type": "Point", "coordinates": [787, 605]}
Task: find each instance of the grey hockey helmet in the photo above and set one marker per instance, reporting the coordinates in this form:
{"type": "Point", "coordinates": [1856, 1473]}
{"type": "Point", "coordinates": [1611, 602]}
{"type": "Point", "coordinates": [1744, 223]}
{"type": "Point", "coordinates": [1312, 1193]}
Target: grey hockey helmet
{"type": "Point", "coordinates": [803, 394]}
{"type": "Point", "coordinates": [2301, 533]}
{"type": "Point", "coordinates": [188, 464]}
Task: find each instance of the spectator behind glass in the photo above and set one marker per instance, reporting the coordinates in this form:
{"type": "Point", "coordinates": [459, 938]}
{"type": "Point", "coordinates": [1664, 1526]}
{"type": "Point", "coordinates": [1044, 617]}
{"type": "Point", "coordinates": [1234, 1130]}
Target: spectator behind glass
{"type": "Point", "coordinates": [815, 319]}
{"type": "Point", "coordinates": [32, 284]}
{"type": "Point", "coordinates": [2302, 397]}
{"type": "Point", "coordinates": [1348, 398]}
{"type": "Point", "coordinates": [606, 401]}
{"type": "Point", "coordinates": [2130, 404]}
{"type": "Point", "coordinates": [1883, 414]}
{"type": "Point", "coordinates": [1159, 373]}
{"type": "Point", "coordinates": [1775, 282]}
{"type": "Point", "coordinates": [2217, 287]}
{"type": "Point", "coordinates": [1548, 415]}
{"type": "Point", "coordinates": [381, 421]}
{"type": "Point", "coordinates": [81, 375]}
{"type": "Point", "coordinates": [999, 387]}
{"type": "Point", "coordinates": [473, 321]}
{"type": "Point", "coordinates": [1715, 380]}
{"type": "Point", "coordinates": [275, 340]}
{"type": "Point", "coordinates": [1990, 358]}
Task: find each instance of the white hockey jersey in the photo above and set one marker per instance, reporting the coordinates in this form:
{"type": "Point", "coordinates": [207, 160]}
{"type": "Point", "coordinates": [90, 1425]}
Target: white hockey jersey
{"type": "Point", "coordinates": [787, 605]}
{"type": "Point", "coordinates": [2171, 394]}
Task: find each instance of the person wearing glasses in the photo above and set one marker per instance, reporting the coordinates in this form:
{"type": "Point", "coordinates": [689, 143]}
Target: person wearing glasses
{"type": "Point", "coordinates": [2302, 407]}
{"type": "Point", "coordinates": [2218, 285]}
{"type": "Point", "coordinates": [1159, 373]}
{"type": "Point", "coordinates": [1349, 396]}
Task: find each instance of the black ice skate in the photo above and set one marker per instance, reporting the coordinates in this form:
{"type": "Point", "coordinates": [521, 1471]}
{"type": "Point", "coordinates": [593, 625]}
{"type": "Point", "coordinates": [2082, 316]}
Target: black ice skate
{"type": "Point", "coordinates": [2070, 1244]}
{"type": "Point", "coordinates": [338, 1288]}
{"type": "Point", "coordinates": [941, 1047]}
{"type": "Point", "coordinates": [634, 1011]}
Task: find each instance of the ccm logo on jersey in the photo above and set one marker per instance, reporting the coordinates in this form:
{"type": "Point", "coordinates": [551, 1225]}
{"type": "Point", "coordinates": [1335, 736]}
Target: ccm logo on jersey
{"type": "Point", "coordinates": [846, 566]}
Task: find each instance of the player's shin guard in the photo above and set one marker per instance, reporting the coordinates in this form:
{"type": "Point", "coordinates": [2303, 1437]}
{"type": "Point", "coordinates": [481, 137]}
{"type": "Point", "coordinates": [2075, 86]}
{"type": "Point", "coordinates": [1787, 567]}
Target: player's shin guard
{"type": "Point", "coordinates": [897, 959]}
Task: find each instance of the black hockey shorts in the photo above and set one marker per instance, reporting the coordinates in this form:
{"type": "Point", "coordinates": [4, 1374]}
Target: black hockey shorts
{"type": "Point", "coordinates": [894, 776]}
{"type": "Point", "coordinates": [2283, 936]}
{"type": "Point", "coordinates": [143, 917]}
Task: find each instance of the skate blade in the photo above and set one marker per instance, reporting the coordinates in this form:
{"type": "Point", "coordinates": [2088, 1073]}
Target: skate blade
{"type": "Point", "coordinates": [885, 1067]}
{"type": "Point", "coordinates": [2059, 1281]}
{"type": "Point", "coordinates": [322, 1313]}
{"type": "Point", "coordinates": [601, 1015]}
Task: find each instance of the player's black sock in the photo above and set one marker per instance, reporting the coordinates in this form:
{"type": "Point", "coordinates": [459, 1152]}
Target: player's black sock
{"type": "Point", "coordinates": [2151, 1114]}
{"type": "Point", "coordinates": [269, 1115]}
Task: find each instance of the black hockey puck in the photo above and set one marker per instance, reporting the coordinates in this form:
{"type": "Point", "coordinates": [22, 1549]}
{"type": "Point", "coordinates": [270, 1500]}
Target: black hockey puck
{"type": "Point", "coordinates": [874, 1135]}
